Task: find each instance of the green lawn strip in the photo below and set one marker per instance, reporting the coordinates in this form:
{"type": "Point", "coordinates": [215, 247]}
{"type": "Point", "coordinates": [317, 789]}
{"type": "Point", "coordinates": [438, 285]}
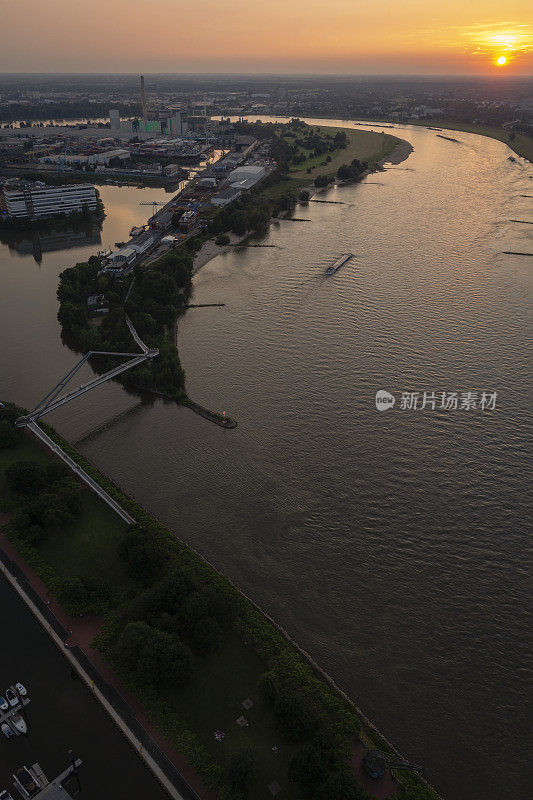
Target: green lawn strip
{"type": "Point", "coordinates": [212, 700]}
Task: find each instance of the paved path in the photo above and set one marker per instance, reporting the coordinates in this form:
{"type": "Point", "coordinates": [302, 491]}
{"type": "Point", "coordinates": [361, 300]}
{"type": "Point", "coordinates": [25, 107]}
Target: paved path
{"type": "Point", "coordinates": [84, 630]}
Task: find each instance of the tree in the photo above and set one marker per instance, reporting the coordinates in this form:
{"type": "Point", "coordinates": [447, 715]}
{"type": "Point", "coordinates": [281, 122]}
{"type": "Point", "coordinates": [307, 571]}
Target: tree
{"type": "Point", "coordinates": [144, 552]}
{"type": "Point", "coordinates": [294, 716]}
{"type": "Point", "coordinates": [154, 657]}
{"type": "Point", "coordinates": [56, 470]}
{"type": "Point", "coordinates": [239, 224]}
{"type": "Point", "coordinates": [206, 635]}
{"type": "Point", "coordinates": [165, 596]}
{"type": "Point", "coordinates": [308, 770]}
{"type": "Point", "coordinates": [241, 769]}
{"type": "Point", "coordinates": [222, 239]}
{"type": "Point", "coordinates": [26, 477]}
{"type": "Point", "coordinates": [344, 173]}
{"type": "Point", "coordinates": [164, 661]}
{"type": "Point", "coordinates": [342, 786]}
{"type": "Point", "coordinates": [323, 180]}
{"type": "Point", "coordinates": [9, 435]}
{"type": "Point", "coordinates": [304, 196]}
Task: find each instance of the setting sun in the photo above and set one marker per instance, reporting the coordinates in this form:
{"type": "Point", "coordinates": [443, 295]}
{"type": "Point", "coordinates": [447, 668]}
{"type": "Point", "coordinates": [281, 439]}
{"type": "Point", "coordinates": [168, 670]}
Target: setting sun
{"type": "Point", "coordinates": [501, 61]}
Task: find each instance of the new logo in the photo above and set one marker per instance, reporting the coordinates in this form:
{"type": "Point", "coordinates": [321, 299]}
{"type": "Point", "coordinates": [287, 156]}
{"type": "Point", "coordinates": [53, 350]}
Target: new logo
{"type": "Point", "coordinates": [384, 400]}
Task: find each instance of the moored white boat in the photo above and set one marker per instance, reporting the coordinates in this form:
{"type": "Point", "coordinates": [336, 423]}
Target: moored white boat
{"type": "Point", "coordinates": [7, 731]}
{"type": "Point", "coordinates": [19, 723]}
{"type": "Point", "coordinates": [11, 697]}
{"type": "Point", "coordinates": [21, 689]}
{"type": "Point", "coordinates": [4, 705]}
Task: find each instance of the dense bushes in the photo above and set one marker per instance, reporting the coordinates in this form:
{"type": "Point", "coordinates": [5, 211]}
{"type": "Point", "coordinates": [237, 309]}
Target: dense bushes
{"type": "Point", "coordinates": [321, 181]}
{"type": "Point", "coordinates": [154, 658]}
{"type": "Point", "coordinates": [52, 498]}
{"type": "Point", "coordinates": [353, 171]}
{"type": "Point", "coordinates": [315, 764]}
{"type": "Point", "coordinates": [145, 554]}
{"type": "Point", "coordinates": [9, 435]}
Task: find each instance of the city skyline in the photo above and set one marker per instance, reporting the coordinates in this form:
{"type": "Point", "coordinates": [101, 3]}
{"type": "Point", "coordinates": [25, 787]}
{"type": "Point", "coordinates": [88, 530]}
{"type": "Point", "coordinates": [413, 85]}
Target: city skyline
{"type": "Point", "coordinates": [299, 36]}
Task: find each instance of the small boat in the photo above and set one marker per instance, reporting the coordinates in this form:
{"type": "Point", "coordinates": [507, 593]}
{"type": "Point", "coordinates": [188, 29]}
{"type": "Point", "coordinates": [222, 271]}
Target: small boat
{"type": "Point", "coordinates": [511, 158]}
{"type": "Point", "coordinates": [4, 705]}
{"type": "Point", "coordinates": [136, 231]}
{"type": "Point", "coordinates": [4, 795]}
{"type": "Point", "coordinates": [338, 264]}
{"type": "Point", "coordinates": [18, 722]}
{"type": "Point", "coordinates": [21, 689]}
{"type": "Point", "coordinates": [11, 697]}
{"type": "Point", "coordinates": [25, 782]}
{"type": "Point", "coordinates": [7, 730]}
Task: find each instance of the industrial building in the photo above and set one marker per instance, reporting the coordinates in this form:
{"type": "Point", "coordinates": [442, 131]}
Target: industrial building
{"type": "Point", "coordinates": [226, 197]}
{"type": "Point", "coordinates": [160, 123]}
{"type": "Point", "coordinates": [246, 177]}
{"type": "Point", "coordinates": [38, 201]}
{"type": "Point", "coordinates": [103, 157]}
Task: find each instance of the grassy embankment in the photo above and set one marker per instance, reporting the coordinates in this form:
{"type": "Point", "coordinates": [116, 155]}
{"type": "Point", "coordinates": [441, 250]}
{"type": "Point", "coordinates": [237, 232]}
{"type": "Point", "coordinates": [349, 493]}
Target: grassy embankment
{"type": "Point", "coordinates": [211, 698]}
{"type": "Point", "coordinates": [521, 144]}
{"type": "Point", "coordinates": [367, 146]}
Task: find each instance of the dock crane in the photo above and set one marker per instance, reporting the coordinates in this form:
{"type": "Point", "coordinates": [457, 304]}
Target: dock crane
{"type": "Point", "coordinates": [154, 204]}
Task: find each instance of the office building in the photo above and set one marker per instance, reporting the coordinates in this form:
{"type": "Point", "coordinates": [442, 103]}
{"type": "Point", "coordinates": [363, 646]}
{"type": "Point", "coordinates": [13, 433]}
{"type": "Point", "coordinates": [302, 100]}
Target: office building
{"type": "Point", "coordinates": [37, 200]}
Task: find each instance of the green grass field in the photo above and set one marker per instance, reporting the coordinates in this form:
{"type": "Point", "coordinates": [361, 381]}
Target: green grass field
{"type": "Point", "coordinates": [87, 546]}
{"type": "Point", "coordinates": [212, 700]}
{"type": "Point", "coordinates": [364, 145]}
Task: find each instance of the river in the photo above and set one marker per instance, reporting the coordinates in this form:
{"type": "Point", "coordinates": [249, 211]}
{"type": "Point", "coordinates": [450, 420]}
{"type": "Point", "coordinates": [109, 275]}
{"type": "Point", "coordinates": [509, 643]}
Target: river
{"type": "Point", "coordinates": [393, 546]}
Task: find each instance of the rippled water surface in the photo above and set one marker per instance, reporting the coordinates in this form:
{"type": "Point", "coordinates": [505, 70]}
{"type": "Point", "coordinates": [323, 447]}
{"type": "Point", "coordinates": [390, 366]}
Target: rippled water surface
{"type": "Point", "coordinates": [393, 546]}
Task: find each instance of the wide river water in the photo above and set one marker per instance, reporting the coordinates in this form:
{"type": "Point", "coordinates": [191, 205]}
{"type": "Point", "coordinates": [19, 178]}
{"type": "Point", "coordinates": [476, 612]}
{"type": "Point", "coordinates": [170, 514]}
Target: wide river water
{"type": "Point", "coordinates": [392, 545]}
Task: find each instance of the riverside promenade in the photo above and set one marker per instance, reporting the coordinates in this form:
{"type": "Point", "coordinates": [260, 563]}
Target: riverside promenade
{"type": "Point", "coordinates": [73, 637]}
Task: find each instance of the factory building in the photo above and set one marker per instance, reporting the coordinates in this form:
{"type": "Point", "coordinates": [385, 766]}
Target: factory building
{"type": "Point", "coordinates": [37, 200]}
{"type": "Point", "coordinates": [168, 122]}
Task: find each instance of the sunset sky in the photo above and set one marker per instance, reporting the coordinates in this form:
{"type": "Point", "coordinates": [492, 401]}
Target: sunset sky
{"type": "Point", "coordinates": [313, 36]}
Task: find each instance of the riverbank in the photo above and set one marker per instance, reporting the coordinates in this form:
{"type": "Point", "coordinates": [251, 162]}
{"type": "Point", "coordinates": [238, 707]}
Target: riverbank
{"type": "Point", "coordinates": [210, 250]}
{"type": "Point", "coordinates": [222, 680]}
{"type": "Point", "coordinates": [379, 149]}
{"type": "Point", "coordinates": [401, 153]}
{"type": "Point", "coordinates": [521, 144]}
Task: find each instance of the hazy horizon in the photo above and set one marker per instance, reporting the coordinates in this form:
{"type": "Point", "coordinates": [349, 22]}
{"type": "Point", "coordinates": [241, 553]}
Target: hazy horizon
{"type": "Point", "coordinates": [342, 37]}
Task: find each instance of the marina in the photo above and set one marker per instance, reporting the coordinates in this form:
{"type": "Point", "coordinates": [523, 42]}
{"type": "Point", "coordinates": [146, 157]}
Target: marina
{"type": "Point", "coordinates": [11, 721]}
